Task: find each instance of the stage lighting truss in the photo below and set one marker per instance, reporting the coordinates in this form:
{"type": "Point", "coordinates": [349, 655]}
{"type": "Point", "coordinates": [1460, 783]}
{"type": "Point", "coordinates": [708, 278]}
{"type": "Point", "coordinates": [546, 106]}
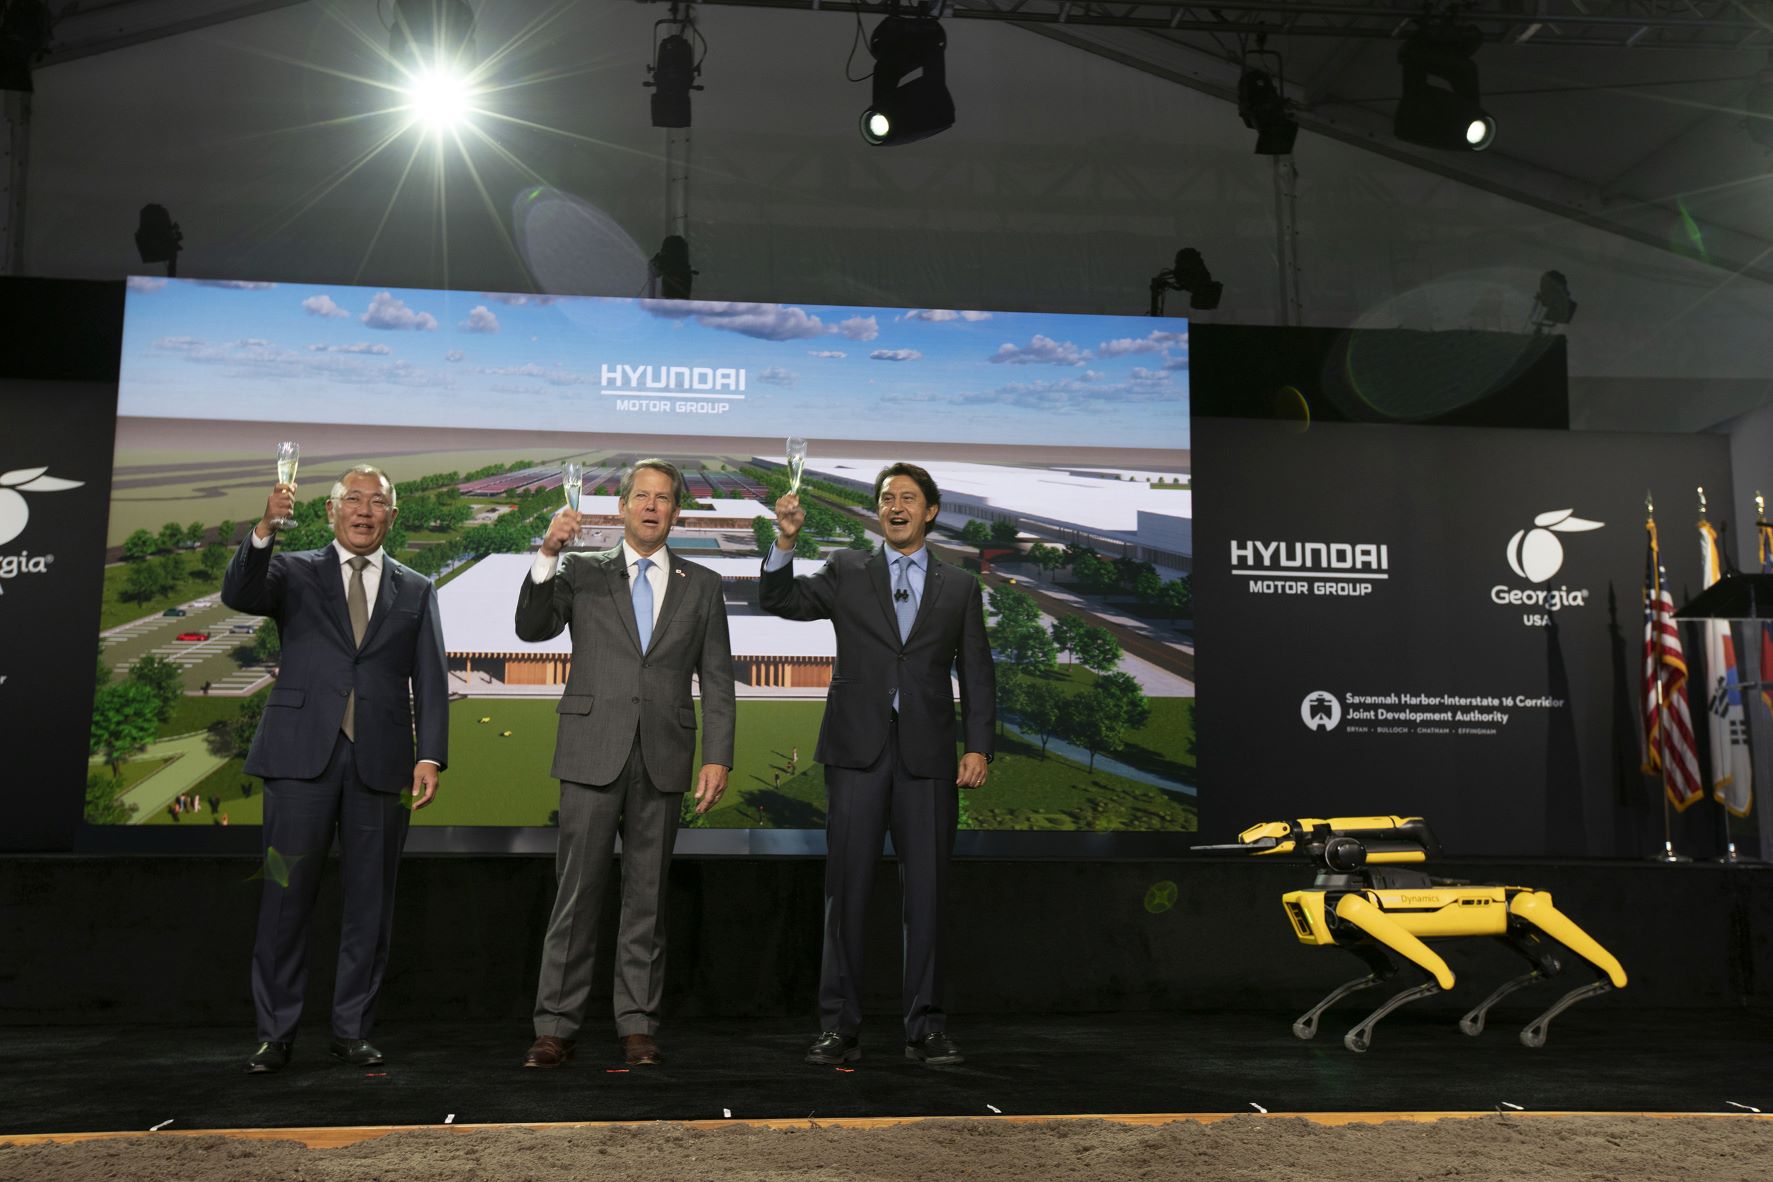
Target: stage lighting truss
{"type": "Point", "coordinates": [910, 88]}
{"type": "Point", "coordinates": [1449, 115]}
{"type": "Point", "coordinates": [431, 44]}
{"type": "Point", "coordinates": [1261, 101]}
{"type": "Point", "coordinates": [675, 68]}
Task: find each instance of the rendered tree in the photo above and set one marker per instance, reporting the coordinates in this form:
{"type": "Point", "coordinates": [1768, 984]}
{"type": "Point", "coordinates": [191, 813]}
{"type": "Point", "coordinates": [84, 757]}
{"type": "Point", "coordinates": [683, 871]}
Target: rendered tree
{"type": "Point", "coordinates": [267, 643]}
{"type": "Point", "coordinates": [1125, 689]}
{"type": "Point", "coordinates": [171, 534]}
{"type": "Point", "coordinates": [1040, 709]}
{"type": "Point", "coordinates": [1096, 722]}
{"type": "Point", "coordinates": [1004, 533]}
{"type": "Point", "coordinates": [102, 805]}
{"type": "Point", "coordinates": [125, 718]}
{"type": "Point", "coordinates": [139, 545]}
{"type": "Point", "coordinates": [163, 680]}
{"type": "Point", "coordinates": [1067, 631]}
{"type": "Point", "coordinates": [1098, 650]}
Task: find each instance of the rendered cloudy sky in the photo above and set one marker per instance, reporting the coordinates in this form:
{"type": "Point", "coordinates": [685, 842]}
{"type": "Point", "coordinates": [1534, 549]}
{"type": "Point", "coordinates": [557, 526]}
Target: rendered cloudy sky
{"type": "Point", "coordinates": [330, 353]}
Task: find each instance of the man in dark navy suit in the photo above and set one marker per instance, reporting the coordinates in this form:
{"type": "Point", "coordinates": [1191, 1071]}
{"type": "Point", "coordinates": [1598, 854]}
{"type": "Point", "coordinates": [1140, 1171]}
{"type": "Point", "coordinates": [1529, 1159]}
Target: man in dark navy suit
{"type": "Point", "coordinates": [362, 662]}
{"type": "Point", "coordinates": [908, 626]}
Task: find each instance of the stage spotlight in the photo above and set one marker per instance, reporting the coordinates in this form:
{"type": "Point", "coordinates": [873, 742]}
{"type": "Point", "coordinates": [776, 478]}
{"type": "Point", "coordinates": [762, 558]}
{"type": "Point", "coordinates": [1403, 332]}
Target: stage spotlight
{"type": "Point", "coordinates": [1189, 274]}
{"type": "Point", "coordinates": [1759, 106]}
{"type": "Point", "coordinates": [1262, 104]}
{"type": "Point", "coordinates": [911, 100]}
{"type": "Point", "coordinates": [158, 238]}
{"type": "Point", "coordinates": [24, 35]}
{"type": "Point", "coordinates": [1450, 115]}
{"type": "Point", "coordinates": [431, 44]}
{"type": "Point", "coordinates": [439, 98]}
{"type": "Point", "coordinates": [674, 71]}
{"type": "Point", "coordinates": [670, 271]}
{"type": "Point", "coordinates": [1553, 304]}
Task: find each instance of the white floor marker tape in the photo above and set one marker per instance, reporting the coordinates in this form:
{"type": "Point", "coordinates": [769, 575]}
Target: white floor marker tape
{"type": "Point", "coordinates": [1516, 1107]}
{"type": "Point", "coordinates": [995, 1109]}
{"type": "Point", "coordinates": [160, 1126]}
{"type": "Point", "coordinates": [1744, 1107]}
{"type": "Point", "coordinates": [1257, 1106]}
{"type": "Point", "coordinates": [727, 1112]}
{"type": "Point", "coordinates": [450, 1119]}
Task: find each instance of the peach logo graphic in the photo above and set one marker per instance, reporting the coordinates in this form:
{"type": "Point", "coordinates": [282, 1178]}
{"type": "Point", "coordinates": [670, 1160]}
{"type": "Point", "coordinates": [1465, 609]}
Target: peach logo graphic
{"type": "Point", "coordinates": [1536, 554]}
{"type": "Point", "coordinates": [15, 512]}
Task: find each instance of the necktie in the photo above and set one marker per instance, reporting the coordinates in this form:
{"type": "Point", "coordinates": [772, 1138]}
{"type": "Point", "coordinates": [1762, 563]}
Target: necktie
{"type": "Point", "coordinates": [904, 598]}
{"type": "Point", "coordinates": [357, 604]}
{"type": "Point", "coordinates": [643, 602]}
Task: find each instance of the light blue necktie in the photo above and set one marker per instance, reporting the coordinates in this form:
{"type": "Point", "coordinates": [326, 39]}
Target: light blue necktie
{"type": "Point", "coordinates": [643, 602]}
{"type": "Point", "coordinates": [904, 598]}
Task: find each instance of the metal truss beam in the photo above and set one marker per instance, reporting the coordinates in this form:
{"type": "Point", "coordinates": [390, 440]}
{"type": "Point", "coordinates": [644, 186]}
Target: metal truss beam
{"type": "Point", "coordinates": [1586, 24]}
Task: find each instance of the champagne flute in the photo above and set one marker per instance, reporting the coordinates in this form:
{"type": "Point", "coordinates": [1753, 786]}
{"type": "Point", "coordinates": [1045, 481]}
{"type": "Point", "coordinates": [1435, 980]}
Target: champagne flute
{"type": "Point", "coordinates": [796, 462]}
{"type": "Point", "coordinates": [572, 481]}
{"type": "Point", "coordinates": [289, 455]}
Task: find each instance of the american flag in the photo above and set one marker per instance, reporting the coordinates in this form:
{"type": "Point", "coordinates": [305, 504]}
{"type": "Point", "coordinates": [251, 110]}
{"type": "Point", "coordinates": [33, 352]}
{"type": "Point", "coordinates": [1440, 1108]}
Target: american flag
{"type": "Point", "coordinates": [1668, 726]}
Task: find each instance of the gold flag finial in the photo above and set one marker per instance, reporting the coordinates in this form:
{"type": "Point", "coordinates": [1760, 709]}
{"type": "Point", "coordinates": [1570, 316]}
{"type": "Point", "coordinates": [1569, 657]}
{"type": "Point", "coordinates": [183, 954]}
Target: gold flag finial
{"type": "Point", "coordinates": [1702, 500]}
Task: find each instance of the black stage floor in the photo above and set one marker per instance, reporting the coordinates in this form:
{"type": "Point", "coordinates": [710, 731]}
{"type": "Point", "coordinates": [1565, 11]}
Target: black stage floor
{"type": "Point", "coordinates": [1599, 1058]}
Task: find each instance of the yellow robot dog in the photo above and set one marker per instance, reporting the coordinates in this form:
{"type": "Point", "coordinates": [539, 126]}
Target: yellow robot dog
{"type": "Point", "coordinates": [1364, 902]}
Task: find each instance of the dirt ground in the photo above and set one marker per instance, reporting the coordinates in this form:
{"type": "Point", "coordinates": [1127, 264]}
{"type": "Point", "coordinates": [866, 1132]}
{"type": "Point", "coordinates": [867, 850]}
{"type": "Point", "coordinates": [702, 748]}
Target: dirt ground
{"type": "Point", "coordinates": [1540, 1149]}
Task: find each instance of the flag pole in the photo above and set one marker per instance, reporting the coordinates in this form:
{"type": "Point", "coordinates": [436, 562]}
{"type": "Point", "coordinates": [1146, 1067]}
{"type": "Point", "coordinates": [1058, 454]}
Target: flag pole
{"type": "Point", "coordinates": [1728, 853]}
{"type": "Point", "coordinates": [1668, 851]}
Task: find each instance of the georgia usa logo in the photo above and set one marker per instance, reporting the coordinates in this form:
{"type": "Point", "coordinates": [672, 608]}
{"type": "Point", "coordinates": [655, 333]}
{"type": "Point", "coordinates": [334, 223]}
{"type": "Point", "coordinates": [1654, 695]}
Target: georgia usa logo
{"type": "Point", "coordinates": [15, 514]}
{"type": "Point", "coordinates": [1536, 554]}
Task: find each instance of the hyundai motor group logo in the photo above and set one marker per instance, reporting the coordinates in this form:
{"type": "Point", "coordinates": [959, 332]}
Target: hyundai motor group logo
{"type": "Point", "coordinates": [1321, 710]}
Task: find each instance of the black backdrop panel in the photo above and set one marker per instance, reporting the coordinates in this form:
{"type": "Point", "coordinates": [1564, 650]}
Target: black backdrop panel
{"type": "Point", "coordinates": [1499, 705]}
{"type": "Point", "coordinates": [58, 404]}
{"type": "Point", "coordinates": [1460, 378]}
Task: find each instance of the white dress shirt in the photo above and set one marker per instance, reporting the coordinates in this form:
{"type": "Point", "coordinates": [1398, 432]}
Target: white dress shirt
{"type": "Point", "coordinates": [544, 567]}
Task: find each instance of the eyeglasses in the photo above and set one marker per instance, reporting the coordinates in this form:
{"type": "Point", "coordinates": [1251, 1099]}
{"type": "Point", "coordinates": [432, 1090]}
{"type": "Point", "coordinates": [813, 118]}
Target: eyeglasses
{"type": "Point", "coordinates": [377, 503]}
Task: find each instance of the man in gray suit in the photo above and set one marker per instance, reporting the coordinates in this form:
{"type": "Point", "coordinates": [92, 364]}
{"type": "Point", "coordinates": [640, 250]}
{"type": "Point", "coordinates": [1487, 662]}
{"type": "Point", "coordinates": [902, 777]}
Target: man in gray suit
{"type": "Point", "coordinates": [362, 676]}
{"type": "Point", "coordinates": [643, 621]}
{"type": "Point", "coordinates": [907, 624]}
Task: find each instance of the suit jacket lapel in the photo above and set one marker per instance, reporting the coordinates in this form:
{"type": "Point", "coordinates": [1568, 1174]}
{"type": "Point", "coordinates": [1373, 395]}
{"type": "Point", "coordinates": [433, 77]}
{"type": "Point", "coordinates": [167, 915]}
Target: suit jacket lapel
{"type": "Point", "coordinates": [385, 592]}
{"type": "Point", "coordinates": [332, 592]}
{"type": "Point", "coordinates": [880, 577]}
{"type": "Point", "coordinates": [676, 579]}
{"type": "Point", "coordinates": [932, 587]}
{"type": "Point", "coordinates": [614, 568]}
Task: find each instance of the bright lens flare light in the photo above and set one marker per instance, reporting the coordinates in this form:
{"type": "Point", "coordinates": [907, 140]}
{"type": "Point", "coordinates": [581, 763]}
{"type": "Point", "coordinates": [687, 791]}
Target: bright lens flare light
{"type": "Point", "coordinates": [439, 99]}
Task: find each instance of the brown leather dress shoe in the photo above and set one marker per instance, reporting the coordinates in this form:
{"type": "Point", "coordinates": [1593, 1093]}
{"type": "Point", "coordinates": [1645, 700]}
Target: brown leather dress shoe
{"type": "Point", "coordinates": [548, 1051]}
{"type": "Point", "coordinates": [640, 1050]}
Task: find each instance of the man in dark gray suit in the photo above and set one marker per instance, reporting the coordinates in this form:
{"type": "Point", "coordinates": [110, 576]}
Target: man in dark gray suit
{"type": "Point", "coordinates": [362, 663]}
{"type": "Point", "coordinates": [904, 621]}
{"type": "Point", "coordinates": [643, 621]}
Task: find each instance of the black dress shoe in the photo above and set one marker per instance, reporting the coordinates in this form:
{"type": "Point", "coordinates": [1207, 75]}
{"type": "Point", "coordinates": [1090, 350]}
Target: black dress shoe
{"type": "Point", "coordinates": [358, 1052]}
{"type": "Point", "coordinates": [832, 1047]}
{"type": "Point", "coordinates": [934, 1048]}
{"type": "Point", "coordinates": [271, 1056]}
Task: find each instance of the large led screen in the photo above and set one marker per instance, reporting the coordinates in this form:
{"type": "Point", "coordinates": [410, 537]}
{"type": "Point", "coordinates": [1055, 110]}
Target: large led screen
{"type": "Point", "coordinates": [1060, 443]}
